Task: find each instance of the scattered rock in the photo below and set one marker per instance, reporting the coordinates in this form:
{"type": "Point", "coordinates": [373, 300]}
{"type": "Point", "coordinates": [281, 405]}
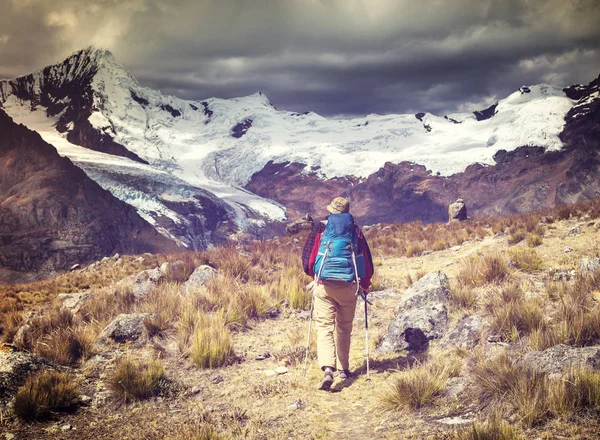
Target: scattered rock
{"type": "Point", "coordinates": [9, 436]}
{"type": "Point", "coordinates": [512, 264]}
{"type": "Point", "coordinates": [66, 427]}
{"type": "Point", "coordinates": [281, 370]}
{"type": "Point", "coordinates": [217, 379]}
{"type": "Point", "coordinates": [125, 327]}
{"type": "Point", "coordinates": [567, 249]}
{"type": "Point", "coordinates": [23, 338]}
{"type": "Point", "coordinates": [296, 405]}
{"type": "Point", "coordinates": [200, 277]}
{"type": "Point", "coordinates": [382, 294]}
{"type": "Point", "coordinates": [115, 257]}
{"type": "Point", "coordinates": [295, 240]}
{"type": "Point", "coordinates": [174, 267]}
{"type": "Point", "coordinates": [561, 358]}
{"type": "Point", "coordinates": [142, 283]}
{"type": "Point", "coordinates": [455, 248]}
{"type": "Point", "coordinates": [270, 373]}
{"type": "Point", "coordinates": [104, 260]}
{"type": "Point", "coordinates": [262, 357]}
{"type": "Point", "coordinates": [467, 334]}
{"type": "Point", "coordinates": [304, 224]}
{"type": "Point", "coordinates": [546, 219]}
{"type": "Point", "coordinates": [465, 419]}
{"type": "Point", "coordinates": [457, 211]}
{"type": "Point", "coordinates": [74, 267]}
{"type": "Point", "coordinates": [574, 231]}
{"type": "Point", "coordinates": [74, 301]}
{"type": "Point", "coordinates": [421, 316]}
{"type": "Point", "coordinates": [195, 390]}
{"type": "Point", "coordinates": [564, 275]}
{"type": "Point", "coordinates": [589, 264]}
{"type": "Point", "coordinates": [84, 400]}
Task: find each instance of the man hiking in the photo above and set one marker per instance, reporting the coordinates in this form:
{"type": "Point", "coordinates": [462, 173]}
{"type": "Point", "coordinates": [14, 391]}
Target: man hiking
{"type": "Point", "coordinates": [337, 256]}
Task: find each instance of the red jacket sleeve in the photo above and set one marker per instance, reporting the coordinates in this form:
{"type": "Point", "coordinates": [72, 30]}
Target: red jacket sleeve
{"type": "Point", "coordinates": [313, 254]}
{"type": "Point", "coordinates": [365, 282]}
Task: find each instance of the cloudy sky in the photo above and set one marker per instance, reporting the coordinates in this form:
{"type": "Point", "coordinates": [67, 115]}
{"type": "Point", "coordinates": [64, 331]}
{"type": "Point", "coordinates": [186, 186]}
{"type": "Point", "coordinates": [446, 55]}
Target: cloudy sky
{"type": "Point", "coordinates": [336, 57]}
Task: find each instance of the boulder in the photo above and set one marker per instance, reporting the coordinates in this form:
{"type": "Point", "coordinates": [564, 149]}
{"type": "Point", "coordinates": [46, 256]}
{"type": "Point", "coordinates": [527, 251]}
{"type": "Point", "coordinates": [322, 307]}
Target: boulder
{"type": "Point", "coordinates": [304, 224]}
{"type": "Point", "coordinates": [23, 338]}
{"type": "Point", "coordinates": [174, 267]}
{"type": "Point", "coordinates": [589, 264]}
{"type": "Point", "coordinates": [200, 277]}
{"type": "Point", "coordinates": [15, 367]}
{"type": "Point", "coordinates": [73, 301]}
{"type": "Point", "coordinates": [142, 283]}
{"type": "Point", "coordinates": [467, 333]}
{"type": "Point", "coordinates": [125, 327]}
{"type": "Point", "coordinates": [560, 359]}
{"type": "Point", "coordinates": [421, 316]}
{"type": "Point", "coordinates": [457, 211]}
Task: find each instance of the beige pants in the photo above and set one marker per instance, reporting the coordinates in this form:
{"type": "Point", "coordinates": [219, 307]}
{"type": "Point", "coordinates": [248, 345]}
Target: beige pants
{"type": "Point", "coordinates": [335, 305]}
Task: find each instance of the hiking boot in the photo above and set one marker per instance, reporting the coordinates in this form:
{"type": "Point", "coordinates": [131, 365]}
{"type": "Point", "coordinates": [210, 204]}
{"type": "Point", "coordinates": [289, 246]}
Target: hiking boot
{"type": "Point", "coordinates": [326, 382]}
{"type": "Point", "coordinates": [344, 374]}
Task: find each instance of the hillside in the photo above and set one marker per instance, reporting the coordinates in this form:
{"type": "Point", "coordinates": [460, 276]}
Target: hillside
{"type": "Point", "coordinates": [53, 215]}
{"type": "Point", "coordinates": [521, 278]}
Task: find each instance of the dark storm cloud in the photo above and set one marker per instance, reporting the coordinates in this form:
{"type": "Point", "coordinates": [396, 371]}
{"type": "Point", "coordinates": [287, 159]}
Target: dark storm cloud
{"type": "Point", "coordinates": [336, 57]}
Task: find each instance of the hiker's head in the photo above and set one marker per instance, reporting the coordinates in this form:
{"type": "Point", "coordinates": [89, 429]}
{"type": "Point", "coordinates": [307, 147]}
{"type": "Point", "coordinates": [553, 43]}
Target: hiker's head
{"type": "Point", "coordinates": [339, 205]}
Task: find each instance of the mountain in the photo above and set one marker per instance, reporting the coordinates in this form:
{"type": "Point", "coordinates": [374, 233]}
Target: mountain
{"type": "Point", "coordinates": [53, 215]}
{"type": "Point", "coordinates": [202, 171]}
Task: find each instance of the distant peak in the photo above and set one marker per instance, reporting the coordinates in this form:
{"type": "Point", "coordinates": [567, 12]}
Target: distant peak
{"type": "Point", "coordinates": [260, 97]}
{"type": "Point", "coordinates": [93, 54]}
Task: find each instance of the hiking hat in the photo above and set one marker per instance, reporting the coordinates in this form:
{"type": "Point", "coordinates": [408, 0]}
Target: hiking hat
{"type": "Point", "coordinates": [339, 205]}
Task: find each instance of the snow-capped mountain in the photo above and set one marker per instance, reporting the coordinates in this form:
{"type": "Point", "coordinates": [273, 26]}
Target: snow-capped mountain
{"type": "Point", "coordinates": [184, 164]}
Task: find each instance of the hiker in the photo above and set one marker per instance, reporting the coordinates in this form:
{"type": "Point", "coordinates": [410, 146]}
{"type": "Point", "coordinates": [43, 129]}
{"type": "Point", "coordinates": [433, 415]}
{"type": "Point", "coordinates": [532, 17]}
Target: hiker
{"type": "Point", "coordinates": [334, 252]}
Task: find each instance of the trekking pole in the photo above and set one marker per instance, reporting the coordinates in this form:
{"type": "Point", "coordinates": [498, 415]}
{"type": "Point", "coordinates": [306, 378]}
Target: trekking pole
{"type": "Point", "coordinates": [312, 301]}
{"type": "Point", "coordinates": [366, 333]}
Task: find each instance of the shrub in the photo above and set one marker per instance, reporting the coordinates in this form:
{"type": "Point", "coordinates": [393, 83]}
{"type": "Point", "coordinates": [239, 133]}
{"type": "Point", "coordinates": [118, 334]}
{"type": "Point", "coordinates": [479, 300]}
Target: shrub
{"type": "Point", "coordinates": [419, 386]}
{"type": "Point", "coordinates": [525, 390]}
{"type": "Point", "coordinates": [414, 250]}
{"type": "Point", "coordinates": [492, 429]}
{"type": "Point", "coordinates": [66, 346]}
{"type": "Point", "coordinates": [527, 260]}
{"type": "Point", "coordinates": [164, 301]}
{"type": "Point", "coordinates": [477, 271]}
{"type": "Point", "coordinates": [534, 240]}
{"type": "Point", "coordinates": [45, 393]}
{"type": "Point", "coordinates": [512, 315]}
{"type": "Point", "coordinates": [516, 237]}
{"type": "Point", "coordinates": [463, 297]}
{"type": "Point", "coordinates": [211, 344]}
{"type": "Point", "coordinates": [132, 380]}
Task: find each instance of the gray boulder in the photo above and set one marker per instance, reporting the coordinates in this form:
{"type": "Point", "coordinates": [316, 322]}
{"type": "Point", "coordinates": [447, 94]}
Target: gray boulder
{"type": "Point", "coordinates": [174, 267]}
{"type": "Point", "coordinates": [142, 283]}
{"type": "Point", "coordinates": [200, 277]}
{"type": "Point", "coordinates": [74, 301]}
{"type": "Point", "coordinates": [589, 264]}
{"type": "Point", "coordinates": [421, 316]}
{"type": "Point", "coordinates": [457, 211]}
{"type": "Point", "coordinates": [125, 327]}
{"type": "Point", "coordinates": [561, 358]}
{"type": "Point", "coordinates": [15, 367]}
{"type": "Point", "coordinates": [467, 333]}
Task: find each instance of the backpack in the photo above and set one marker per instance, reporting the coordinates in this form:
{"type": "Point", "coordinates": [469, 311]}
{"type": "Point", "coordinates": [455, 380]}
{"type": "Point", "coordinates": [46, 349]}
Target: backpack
{"type": "Point", "coordinates": [338, 258]}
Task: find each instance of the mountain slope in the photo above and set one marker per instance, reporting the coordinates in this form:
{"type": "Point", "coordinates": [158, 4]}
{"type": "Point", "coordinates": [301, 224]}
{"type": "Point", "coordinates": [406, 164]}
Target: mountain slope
{"type": "Point", "coordinates": [171, 158]}
{"type": "Point", "coordinates": [52, 215]}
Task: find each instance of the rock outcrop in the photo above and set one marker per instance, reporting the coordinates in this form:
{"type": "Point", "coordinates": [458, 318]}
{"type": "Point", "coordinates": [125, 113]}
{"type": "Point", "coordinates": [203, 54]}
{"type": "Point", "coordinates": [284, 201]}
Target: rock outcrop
{"type": "Point", "coordinates": [457, 211]}
{"type": "Point", "coordinates": [199, 277]}
{"type": "Point", "coordinates": [305, 223]}
{"type": "Point", "coordinates": [15, 367]}
{"type": "Point", "coordinates": [52, 215]}
{"type": "Point", "coordinates": [561, 359]}
{"type": "Point", "coordinates": [467, 333]}
{"type": "Point", "coordinates": [421, 316]}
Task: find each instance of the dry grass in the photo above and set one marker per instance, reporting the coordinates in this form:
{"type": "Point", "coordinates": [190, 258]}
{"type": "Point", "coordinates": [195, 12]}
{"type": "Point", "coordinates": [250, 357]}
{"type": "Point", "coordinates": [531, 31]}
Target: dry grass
{"type": "Point", "coordinates": [45, 393]}
{"type": "Point", "coordinates": [513, 316]}
{"type": "Point", "coordinates": [463, 297]}
{"type": "Point", "coordinates": [526, 260]}
{"type": "Point", "coordinates": [477, 271]}
{"type": "Point", "coordinates": [209, 340]}
{"type": "Point", "coordinates": [534, 240]}
{"type": "Point", "coordinates": [132, 380]}
{"type": "Point", "coordinates": [419, 385]}
{"type": "Point", "coordinates": [492, 429]}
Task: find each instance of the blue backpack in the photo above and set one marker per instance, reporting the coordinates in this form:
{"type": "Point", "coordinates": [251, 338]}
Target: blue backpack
{"type": "Point", "coordinates": [338, 258]}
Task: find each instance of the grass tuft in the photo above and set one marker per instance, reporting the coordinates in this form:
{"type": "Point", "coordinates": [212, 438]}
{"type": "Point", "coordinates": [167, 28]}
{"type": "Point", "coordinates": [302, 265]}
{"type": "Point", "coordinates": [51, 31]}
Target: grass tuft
{"type": "Point", "coordinates": [43, 394]}
{"type": "Point", "coordinates": [132, 380]}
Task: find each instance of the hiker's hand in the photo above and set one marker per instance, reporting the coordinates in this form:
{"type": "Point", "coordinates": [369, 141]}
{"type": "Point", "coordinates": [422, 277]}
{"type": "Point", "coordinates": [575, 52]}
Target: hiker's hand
{"type": "Point", "coordinates": [365, 290]}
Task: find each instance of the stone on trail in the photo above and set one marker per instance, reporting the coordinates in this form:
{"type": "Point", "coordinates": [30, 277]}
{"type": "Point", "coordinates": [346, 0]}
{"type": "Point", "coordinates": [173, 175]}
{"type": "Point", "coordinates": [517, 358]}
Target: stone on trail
{"type": "Point", "coordinates": [421, 316]}
{"type": "Point", "coordinates": [125, 327]}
